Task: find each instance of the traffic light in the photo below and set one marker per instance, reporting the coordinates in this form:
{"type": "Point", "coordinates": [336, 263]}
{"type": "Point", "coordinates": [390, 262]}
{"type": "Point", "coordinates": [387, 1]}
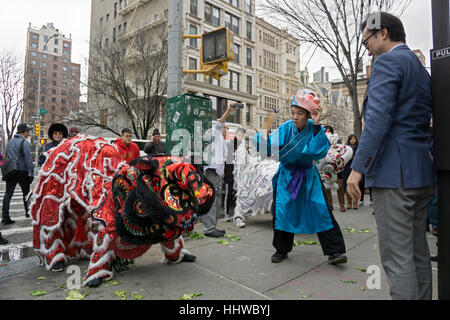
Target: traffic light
{"type": "Point", "coordinates": [43, 141]}
{"type": "Point", "coordinates": [37, 129]}
{"type": "Point", "coordinates": [217, 46]}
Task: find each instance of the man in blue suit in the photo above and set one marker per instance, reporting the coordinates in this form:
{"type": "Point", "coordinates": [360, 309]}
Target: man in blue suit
{"type": "Point", "coordinates": [393, 155]}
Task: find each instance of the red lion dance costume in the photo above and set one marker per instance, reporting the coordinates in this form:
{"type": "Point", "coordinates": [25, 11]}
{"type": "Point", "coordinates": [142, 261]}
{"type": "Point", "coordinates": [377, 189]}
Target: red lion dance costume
{"type": "Point", "coordinates": [84, 188]}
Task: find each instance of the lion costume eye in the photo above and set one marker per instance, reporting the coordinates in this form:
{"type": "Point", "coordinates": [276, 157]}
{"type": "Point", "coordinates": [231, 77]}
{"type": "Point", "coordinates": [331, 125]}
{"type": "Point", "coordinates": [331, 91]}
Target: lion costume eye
{"type": "Point", "coordinates": [139, 209]}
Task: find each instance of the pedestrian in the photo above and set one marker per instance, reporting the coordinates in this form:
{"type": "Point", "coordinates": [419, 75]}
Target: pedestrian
{"type": "Point", "coordinates": [352, 142]}
{"type": "Point", "coordinates": [56, 132]}
{"type": "Point", "coordinates": [299, 197]}
{"type": "Point", "coordinates": [128, 150]}
{"type": "Point", "coordinates": [156, 146]}
{"type": "Point", "coordinates": [340, 191]}
{"type": "Point", "coordinates": [73, 132]}
{"type": "Point", "coordinates": [230, 194]}
{"type": "Point", "coordinates": [18, 147]}
{"type": "Point", "coordinates": [2, 160]}
{"type": "Point", "coordinates": [393, 154]}
{"type": "Point", "coordinates": [215, 172]}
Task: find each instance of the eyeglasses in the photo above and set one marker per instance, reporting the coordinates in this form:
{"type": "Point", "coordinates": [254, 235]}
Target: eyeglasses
{"type": "Point", "coordinates": [365, 42]}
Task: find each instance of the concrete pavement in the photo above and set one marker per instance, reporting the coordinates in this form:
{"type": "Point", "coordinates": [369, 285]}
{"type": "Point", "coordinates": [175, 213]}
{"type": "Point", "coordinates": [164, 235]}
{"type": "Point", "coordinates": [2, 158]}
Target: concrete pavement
{"type": "Point", "coordinates": [240, 270]}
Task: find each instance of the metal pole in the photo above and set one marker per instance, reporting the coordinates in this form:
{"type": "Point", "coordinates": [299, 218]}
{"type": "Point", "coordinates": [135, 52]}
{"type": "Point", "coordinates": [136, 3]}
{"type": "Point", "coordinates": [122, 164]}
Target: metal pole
{"type": "Point", "coordinates": [175, 67]}
{"type": "Point", "coordinates": [440, 67]}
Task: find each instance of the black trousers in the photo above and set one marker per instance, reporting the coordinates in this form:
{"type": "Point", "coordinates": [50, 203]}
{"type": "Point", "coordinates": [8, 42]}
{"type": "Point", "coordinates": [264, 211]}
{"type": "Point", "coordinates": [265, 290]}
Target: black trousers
{"type": "Point", "coordinates": [332, 241]}
{"type": "Point", "coordinates": [21, 178]}
{"type": "Point", "coordinates": [230, 199]}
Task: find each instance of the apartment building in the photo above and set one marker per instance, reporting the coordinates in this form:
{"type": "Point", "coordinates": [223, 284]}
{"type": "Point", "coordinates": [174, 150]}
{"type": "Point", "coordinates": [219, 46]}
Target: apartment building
{"type": "Point", "coordinates": [49, 52]}
{"type": "Point", "coordinates": [119, 20]}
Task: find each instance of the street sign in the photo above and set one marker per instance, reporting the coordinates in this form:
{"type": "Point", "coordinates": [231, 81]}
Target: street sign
{"type": "Point", "coordinates": [44, 111]}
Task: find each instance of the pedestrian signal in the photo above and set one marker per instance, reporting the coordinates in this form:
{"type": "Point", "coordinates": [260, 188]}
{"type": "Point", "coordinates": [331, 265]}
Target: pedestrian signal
{"type": "Point", "coordinates": [217, 46]}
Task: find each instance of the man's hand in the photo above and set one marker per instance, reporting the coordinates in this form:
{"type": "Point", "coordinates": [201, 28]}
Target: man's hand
{"type": "Point", "coordinates": [316, 116]}
{"type": "Point", "coordinates": [353, 185]}
{"type": "Point", "coordinates": [231, 106]}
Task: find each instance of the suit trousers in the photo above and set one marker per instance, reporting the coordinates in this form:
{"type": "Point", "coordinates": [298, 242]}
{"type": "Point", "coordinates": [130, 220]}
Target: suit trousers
{"type": "Point", "coordinates": [401, 217]}
{"type": "Point", "coordinates": [209, 220]}
{"type": "Point", "coordinates": [21, 178]}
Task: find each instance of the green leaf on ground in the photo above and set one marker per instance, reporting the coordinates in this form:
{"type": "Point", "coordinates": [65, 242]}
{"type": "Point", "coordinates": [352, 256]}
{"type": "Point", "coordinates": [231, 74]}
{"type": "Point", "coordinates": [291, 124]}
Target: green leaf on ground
{"type": "Point", "coordinates": [113, 282]}
{"type": "Point", "coordinates": [364, 231]}
{"type": "Point", "coordinates": [42, 278]}
{"type": "Point", "coordinates": [303, 295]}
{"type": "Point", "coordinates": [74, 295]}
{"type": "Point", "coordinates": [350, 229]}
{"type": "Point", "coordinates": [223, 242]}
{"type": "Point", "coordinates": [233, 237]}
{"type": "Point", "coordinates": [348, 281]}
{"type": "Point", "coordinates": [122, 294]}
{"type": "Point", "coordinates": [36, 293]}
{"type": "Point", "coordinates": [363, 288]}
{"type": "Point", "coordinates": [137, 296]}
{"type": "Point", "coordinates": [196, 236]}
{"type": "Point", "coordinates": [306, 243]}
{"type": "Point", "coordinates": [361, 269]}
{"type": "Point", "coordinates": [191, 296]}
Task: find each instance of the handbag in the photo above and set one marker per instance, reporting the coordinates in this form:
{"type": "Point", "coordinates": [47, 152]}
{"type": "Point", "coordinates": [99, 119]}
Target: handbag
{"type": "Point", "coordinates": [10, 166]}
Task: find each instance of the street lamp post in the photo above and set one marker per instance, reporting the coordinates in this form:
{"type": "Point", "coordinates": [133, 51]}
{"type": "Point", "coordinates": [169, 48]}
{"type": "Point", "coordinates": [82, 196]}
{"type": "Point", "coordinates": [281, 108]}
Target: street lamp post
{"type": "Point", "coordinates": [38, 105]}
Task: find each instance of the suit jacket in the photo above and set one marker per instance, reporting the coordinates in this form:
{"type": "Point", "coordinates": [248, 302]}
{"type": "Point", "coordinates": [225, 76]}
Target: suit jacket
{"type": "Point", "coordinates": [393, 149]}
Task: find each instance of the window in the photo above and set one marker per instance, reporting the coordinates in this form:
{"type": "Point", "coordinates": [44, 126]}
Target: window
{"type": "Point", "coordinates": [236, 53]}
{"type": "Point", "coordinates": [34, 37]}
{"type": "Point", "coordinates": [55, 59]}
{"type": "Point", "coordinates": [53, 108]}
{"type": "Point", "coordinates": [64, 84]}
{"type": "Point", "coordinates": [271, 103]}
{"type": "Point", "coordinates": [269, 60]}
{"type": "Point", "coordinates": [114, 35]}
{"type": "Point", "coordinates": [65, 69]}
{"type": "Point", "coordinates": [269, 39]}
{"type": "Point", "coordinates": [192, 66]}
{"type": "Point", "coordinates": [249, 85]}
{"type": "Point", "coordinates": [42, 98]}
{"type": "Point", "coordinates": [107, 17]}
{"type": "Point", "coordinates": [43, 82]}
{"type": "Point", "coordinates": [166, 14]}
{"type": "Point", "coordinates": [248, 113]}
{"type": "Point", "coordinates": [33, 54]}
{"type": "Point", "coordinates": [44, 64]}
{"type": "Point", "coordinates": [44, 72]}
{"type": "Point", "coordinates": [193, 30]}
{"type": "Point", "coordinates": [55, 50]}
{"type": "Point", "coordinates": [33, 62]}
{"type": "Point", "coordinates": [115, 9]}
{"type": "Point", "coordinates": [124, 28]}
{"type": "Point", "coordinates": [249, 57]}
{"type": "Point", "coordinates": [101, 20]}
{"type": "Point", "coordinates": [45, 48]}
{"type": "Point", "coordinates": [45, 38]}
{"type": "Point", "coordinates": [66, 52]}
{"type": "Point", "coordinates": [53, 98]}
{"type": "Point", "coordinates": [56, 41]}
{"type": "Point", "coordinates": [249, 30]}
{"type": "Point", "coordinates": [54, 75]}
{"type": "Point", "coordinates": [64, 76]}
{"type": "Point", "coordinates": [234, 80]}
{"type": "Point", "coordinates": [155, 17]}
{"type": "Point", "coordinates": [106, 42]}
{"type": "Point", "coordinates": [34, 45]}
{"type": "Point", "coordinates": [63, 92]}
{"type": "Point", "coordinates": [65, 60]}
{"type": "Point", "coordinates": [44, 56]}
{"type": "Point", "coordinates": [248, 6]}
{"type": "Point", "coordinates": [54, 83]}
{"type": "Point", "coordinates": [55, 67]}
{"type": "Point", "coordinates": [120, 4]}
{"type": "Point", "coordinates": [194, 7]}
{"type": "Point", "coordinates": [63, 100]}
{"type": "Point", "coordinates": [212, 14]}
{"type": "Point", "coordinates": [232, 23]}
{"type": "Point", "coordinates": [33, 70]}
{"type": "Point", "coordinates": [53, 92]}
{"type": "Point", "coordinates": [233, 2]}
{"type": "Point", "coordinates": [66, 45]}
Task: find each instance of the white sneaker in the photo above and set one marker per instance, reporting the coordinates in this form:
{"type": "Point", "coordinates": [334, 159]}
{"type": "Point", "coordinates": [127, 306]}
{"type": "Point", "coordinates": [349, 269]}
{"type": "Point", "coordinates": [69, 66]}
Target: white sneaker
{"type": "Point", "coordinates": [371, 203]}
{"type": "Point", "coordinates": [361, 204]}
{"type": "Point", "coordinates": [240, 223]}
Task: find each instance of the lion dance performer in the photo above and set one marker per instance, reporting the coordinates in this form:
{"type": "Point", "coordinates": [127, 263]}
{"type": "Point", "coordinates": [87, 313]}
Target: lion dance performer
{"type": "Point", "coordinates": [85, 188]}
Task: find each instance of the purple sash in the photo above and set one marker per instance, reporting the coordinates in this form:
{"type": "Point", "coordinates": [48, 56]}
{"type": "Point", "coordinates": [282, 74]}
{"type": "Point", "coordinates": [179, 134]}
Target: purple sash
{"type": "Point", "coordinates": [297, 174]}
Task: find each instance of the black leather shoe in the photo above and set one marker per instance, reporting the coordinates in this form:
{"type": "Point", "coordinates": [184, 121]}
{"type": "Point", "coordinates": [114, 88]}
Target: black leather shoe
{"type": "Point", "coordinates": [95, 283]}
{"type": "Point", "coordinates": [214, 234]}
{"type": "Point", "coordinates": [59, 266]}
{"type": "Point", "coordinates": [278, 257]}
{"type": "Point", "coordinates": [188, 258]}
{"type": "Point", "coordinates": [337, 258]}
{"type": "Point", "coordinates": [221, 231]}
{"type": "Point", "coordinates": [8, 221]}
{"type": "Point", "coordinates": [3, 241]}
{"type": "Point", "coordinates": [27, 215]}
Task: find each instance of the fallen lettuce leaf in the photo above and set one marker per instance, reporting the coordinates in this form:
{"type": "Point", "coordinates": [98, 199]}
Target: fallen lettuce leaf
{"type": "Point", "coordinates": [113, 282]}
{"type": "Point", "coordinates": [306, 243]}
{"type": "Point", "coordinates": [63, 286]}
{"type": "Point", "coordinates": [74, 295]}
{"type": "Point", "coordinates": [187, 296]}
{"type": "Point", "coordinates": [350, 229]}
{"type": "Point", "coordinates": [222, 242]}
{"type": "Point", "coordinates": [122, 294]}
{"type": "Point", "coordinates": [303, 295]}
{"type": "Point", "coordinates": [196, 236]}
{"type": "Point", "coordinates": [361, 269]}
{"type": "Point", "coordinates": [137, 296]}
{"type": "Point", "coordinates": [233, 237]}
{"type": "Point", "coordinates": [36, 293]}
{"type": "Point", "coordinates": [364, 231]}
{"type": "Point", "coordinates": [363, 288]}
{"type": "Point", "coordinates": [42, 278]}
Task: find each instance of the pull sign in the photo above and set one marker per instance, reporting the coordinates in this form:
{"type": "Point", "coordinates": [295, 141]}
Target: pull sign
{"type": "Point", "coordinates": [441, 53]}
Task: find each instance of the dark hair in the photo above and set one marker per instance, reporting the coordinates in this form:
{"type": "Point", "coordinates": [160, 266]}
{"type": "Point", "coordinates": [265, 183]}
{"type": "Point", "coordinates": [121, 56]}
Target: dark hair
{"type": "Point", "coordinates": [390, 22]}
{"type": "Point", "coordinates": [350, 138]}
{"type": "Point", "coordinates": [329, 128]}
{"type": "Point", "coordinates": [126, 130]}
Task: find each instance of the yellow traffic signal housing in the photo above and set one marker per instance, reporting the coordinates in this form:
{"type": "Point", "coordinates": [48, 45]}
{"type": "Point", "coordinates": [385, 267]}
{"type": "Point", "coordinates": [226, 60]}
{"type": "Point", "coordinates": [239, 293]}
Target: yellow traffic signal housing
{"type": "Point", "coordinates": [217, 46]}
{"type": "Point", "coordinates": [37, 129]}
{"type": "Point", "coordinates": [43, 141]}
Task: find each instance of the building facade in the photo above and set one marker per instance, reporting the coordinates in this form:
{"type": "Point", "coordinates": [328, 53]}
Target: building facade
{"type": "Point", "coordinates": [253, 37]}
{"type": "Point", "coordinates": [49, 52]}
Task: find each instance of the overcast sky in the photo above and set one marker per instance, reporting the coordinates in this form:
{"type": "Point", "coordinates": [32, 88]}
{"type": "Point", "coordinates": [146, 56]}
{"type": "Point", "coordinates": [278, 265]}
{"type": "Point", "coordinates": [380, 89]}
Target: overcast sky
{"type": "Point", "coordinates": [73, 17]}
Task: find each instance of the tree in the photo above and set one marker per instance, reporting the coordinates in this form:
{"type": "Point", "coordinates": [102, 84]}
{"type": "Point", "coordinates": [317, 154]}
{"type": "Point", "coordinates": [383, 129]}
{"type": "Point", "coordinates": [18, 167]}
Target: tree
{"type": "Point", "coordinates": [11, 94]}
{"type": "Point", "coordinates": [127, 78]}
{"type": "Point", "coordinates": [333, 26]}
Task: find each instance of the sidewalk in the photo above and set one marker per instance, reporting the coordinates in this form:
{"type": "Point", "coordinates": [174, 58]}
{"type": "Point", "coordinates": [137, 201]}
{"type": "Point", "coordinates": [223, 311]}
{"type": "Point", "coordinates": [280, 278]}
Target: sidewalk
{"type": "Point", "coordinates": [240, 270]}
